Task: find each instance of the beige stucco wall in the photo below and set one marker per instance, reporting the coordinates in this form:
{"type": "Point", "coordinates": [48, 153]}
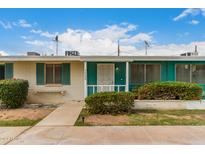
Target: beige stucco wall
{"type": "Point", "coordinates": [74, 91]}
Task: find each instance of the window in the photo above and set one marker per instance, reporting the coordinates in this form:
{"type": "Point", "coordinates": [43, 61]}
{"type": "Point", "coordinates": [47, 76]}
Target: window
{"type": "Point", "coordinates": [190, 73]}
{"type": "Point", "coordinates": [142, 73]}
{"type": "Point", "coordinates": [137, 73]}
{"type": "Point", "coordinates": [198, 73]}
{"type": "Point", "coordinates": [183, 72]}
{"type": "Point", "coordinates": [2, 72]}
{"type": "Point", "coordinates": [53, 73]}
{"type": "Point", "coordinates": [152, 73]}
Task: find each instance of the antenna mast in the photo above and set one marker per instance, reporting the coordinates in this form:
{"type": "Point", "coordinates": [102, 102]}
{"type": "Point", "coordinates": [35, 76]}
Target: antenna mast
{"type": "Point", "coordinates": [56, 40]}
{"type": "Point", "coordinates": [146, 46]}
{"type": "Point", "coordinates": [118, 48]}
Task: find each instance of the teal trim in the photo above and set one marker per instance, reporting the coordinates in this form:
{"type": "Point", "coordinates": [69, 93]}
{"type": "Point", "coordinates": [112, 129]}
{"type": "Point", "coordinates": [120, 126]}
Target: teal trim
{"type": "Point", "coordinates": [120, 73]}
{"type": "Point", "coordinates": [167, 73]}
{"type": "Point", "coordinates": [170, 71]}
{"type": "Point", "coordinates": [40, 74]}
{"type": "Point", "coordinates": [91, 73]}
{"type": "Point", "coordinates": [8, 70]}
{"type": "Point", "coordinates": [163, 71]}
{"type": "Point", "coordinates": [66, 74]}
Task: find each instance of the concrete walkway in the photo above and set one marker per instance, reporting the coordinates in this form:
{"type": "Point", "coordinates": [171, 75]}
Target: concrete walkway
{"type": "Point", "coordinates": [9, 133]}
{"type": "Point", "coordinates": [113, 135]}
{"type": "Point", "coordinates": [65, 115]}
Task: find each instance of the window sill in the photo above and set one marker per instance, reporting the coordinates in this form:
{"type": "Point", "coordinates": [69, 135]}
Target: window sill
{"type": "Point", "coordinates": [54, 85]}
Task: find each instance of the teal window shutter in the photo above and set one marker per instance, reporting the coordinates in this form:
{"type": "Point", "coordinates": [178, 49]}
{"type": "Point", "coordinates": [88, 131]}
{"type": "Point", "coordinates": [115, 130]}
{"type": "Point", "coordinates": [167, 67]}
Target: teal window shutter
{"type": "Point", "coordinates": [40, 74]}
{"type": "Point", "coordinates": [8, 70]}
{"type": "Point", "coordinates": [66, 74]}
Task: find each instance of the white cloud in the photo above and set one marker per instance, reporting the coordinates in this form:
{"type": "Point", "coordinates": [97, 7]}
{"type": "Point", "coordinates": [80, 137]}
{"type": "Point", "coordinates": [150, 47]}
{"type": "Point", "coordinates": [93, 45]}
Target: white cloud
{"type": "Point", "coordinates": [20, 23]}
{"type": "Point", "coordinates": [23, 23]}
{"type": "Point", "coordinates": [187, 12]}
{"type": "Point", "coordinates": [3, 53]}
{"type": "Point", "coordinates": [6, 25]}
{"type": "Point", "coordinates": [114, 32]}
{"type": "Point", "coordinates": [35, 31]}
{"type": "Point", "coordinates": [24, 37]}
{"type": "Point", "coordinates": [36, 43]}
{"type": "Point", "coordinates": [45, 34]}
{"type": "Point", "coordinates": [194, 22]}
{"type": "Point", "coordinates": [103, 41]}
{"type": "Point", "coordinates": [176, 49]}
{"type": "Point", "coordinates": [183, 34]}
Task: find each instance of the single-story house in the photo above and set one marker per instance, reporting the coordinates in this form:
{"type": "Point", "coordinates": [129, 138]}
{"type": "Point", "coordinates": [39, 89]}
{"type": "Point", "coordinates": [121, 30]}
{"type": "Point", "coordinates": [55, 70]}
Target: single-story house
{"type": "Point", "coordinates": [58, 79]}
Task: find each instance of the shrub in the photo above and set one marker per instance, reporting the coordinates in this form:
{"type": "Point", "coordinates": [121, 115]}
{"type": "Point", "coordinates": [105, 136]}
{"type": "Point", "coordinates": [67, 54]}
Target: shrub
{"type": "Point", "coordinates": [110, 102]}
{"type": "Point", "coordinates": [13, 93]}
{"type": "Point", "coordinates": [170, 90]}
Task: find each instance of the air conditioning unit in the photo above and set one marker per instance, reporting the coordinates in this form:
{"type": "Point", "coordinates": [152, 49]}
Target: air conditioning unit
{"type": "Point", "coordinates": [72, 53]}
{"type": "Point", "coordinates": [33, 54]}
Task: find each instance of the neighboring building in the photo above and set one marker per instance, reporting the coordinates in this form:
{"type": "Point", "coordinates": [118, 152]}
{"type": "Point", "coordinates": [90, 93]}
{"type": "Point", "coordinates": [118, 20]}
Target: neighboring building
{"type": "Point", "coordinates": [195, 53]}
{"type": "Point", "coordinates": [58, 79]}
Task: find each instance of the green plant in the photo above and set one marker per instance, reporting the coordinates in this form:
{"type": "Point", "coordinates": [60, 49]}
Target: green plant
{"type": "Point", "coordinates": [170, 90]}
{"type": "Point", "coordinates": [110, 102]}
{"type": "Point", "coordinates": [19, 122]}
{"type": "Point", "coordinates": [13, 93]}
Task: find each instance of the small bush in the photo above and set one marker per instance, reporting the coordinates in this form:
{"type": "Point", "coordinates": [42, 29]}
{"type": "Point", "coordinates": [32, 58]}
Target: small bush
{"type": "Point", "coordinates": [110, 102]}
{"type": "Point", "coordinates": [170, 90]}
{"type": "Point", "coordinates": [13, 93]}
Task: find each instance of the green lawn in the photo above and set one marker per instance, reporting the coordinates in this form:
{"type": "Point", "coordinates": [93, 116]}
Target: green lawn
{"type": "Point", "coordinates": [21, 122]}
{"type": "Point", "coordinates": [151, 117]}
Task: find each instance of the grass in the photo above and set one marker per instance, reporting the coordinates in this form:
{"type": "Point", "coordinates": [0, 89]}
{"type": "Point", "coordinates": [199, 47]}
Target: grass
{"type": "Point", "coordinates": [174, 117]}
{"type": "Point", "coordinates": [19, 122]}
{"type": "Point", "coordinates": [79, 121]}
{"type": "Point", "coordinates": [156, 117]}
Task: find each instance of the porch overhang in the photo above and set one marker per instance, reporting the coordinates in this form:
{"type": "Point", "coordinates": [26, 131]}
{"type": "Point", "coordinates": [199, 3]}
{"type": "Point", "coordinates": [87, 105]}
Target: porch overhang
{"type": "Point", "coordinates": [100, 58]}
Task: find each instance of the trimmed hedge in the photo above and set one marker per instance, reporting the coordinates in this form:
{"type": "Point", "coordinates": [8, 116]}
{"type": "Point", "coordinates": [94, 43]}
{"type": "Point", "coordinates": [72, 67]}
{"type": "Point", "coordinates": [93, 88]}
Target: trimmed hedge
{"type": "Point", "coordinates": [170, 90]}
{"type": "Point", "coordinates": [110, 102]}
{"type": "Point", "coordinates": [13, 93]}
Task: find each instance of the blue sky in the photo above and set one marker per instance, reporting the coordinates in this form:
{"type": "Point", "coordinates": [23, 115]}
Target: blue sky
{"type": "Point", "coordinates": [96, 31]}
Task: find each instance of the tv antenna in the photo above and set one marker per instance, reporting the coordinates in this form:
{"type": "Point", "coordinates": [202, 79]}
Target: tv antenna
{"type": "Point", "coordinates": [146, 46]}
{"type": "Point", "coordinates": [118, 48]}
{"type": "Point", "coordinates": [56, 39]}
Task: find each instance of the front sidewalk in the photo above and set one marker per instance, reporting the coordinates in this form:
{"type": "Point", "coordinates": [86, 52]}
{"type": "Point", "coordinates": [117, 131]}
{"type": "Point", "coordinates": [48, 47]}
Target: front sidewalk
{"type": "Point", "coordinates": [8, 134]}
{"type": "Point", "coordinates": [113, 135]}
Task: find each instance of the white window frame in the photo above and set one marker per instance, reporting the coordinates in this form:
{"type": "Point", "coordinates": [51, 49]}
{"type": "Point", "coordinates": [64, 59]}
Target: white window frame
{"type": "Point", "coordinates": [51, 84]}
{"type": "Point", "coordinates": [112, 70]}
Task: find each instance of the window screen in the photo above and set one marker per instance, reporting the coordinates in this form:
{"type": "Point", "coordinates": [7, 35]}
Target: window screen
{"type": "Point", "coordinates": [198, 73]}
{"type": "Point", "coordinates": [53, 73]}
{"type": "Point", "coordinates": [152, 72]}
{"type": "Point", "coordinates": [141, 73]}
{"type": "Point", "coordinates": [183, 72]}
{"type": "Point", "coordinates": [137, 73]}
{"type": "Point", "coordinates": [49, 73]}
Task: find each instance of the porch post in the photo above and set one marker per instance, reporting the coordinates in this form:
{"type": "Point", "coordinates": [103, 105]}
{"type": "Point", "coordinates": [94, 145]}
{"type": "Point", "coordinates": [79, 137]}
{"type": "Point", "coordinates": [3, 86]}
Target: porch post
{"type": "Point", "coordinates": [85, 79]}
{"type": "Point", "coordinates": [127, 77]}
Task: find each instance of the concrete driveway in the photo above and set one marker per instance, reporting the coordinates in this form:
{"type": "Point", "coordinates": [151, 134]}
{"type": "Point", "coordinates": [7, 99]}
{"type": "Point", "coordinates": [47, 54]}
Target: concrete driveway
{"type": "Point", "coordinates": [113, 135]}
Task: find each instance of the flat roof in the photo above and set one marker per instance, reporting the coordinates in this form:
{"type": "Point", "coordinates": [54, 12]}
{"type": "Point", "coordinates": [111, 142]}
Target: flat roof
{"type": "Point", "coordinates": [101, 58]}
